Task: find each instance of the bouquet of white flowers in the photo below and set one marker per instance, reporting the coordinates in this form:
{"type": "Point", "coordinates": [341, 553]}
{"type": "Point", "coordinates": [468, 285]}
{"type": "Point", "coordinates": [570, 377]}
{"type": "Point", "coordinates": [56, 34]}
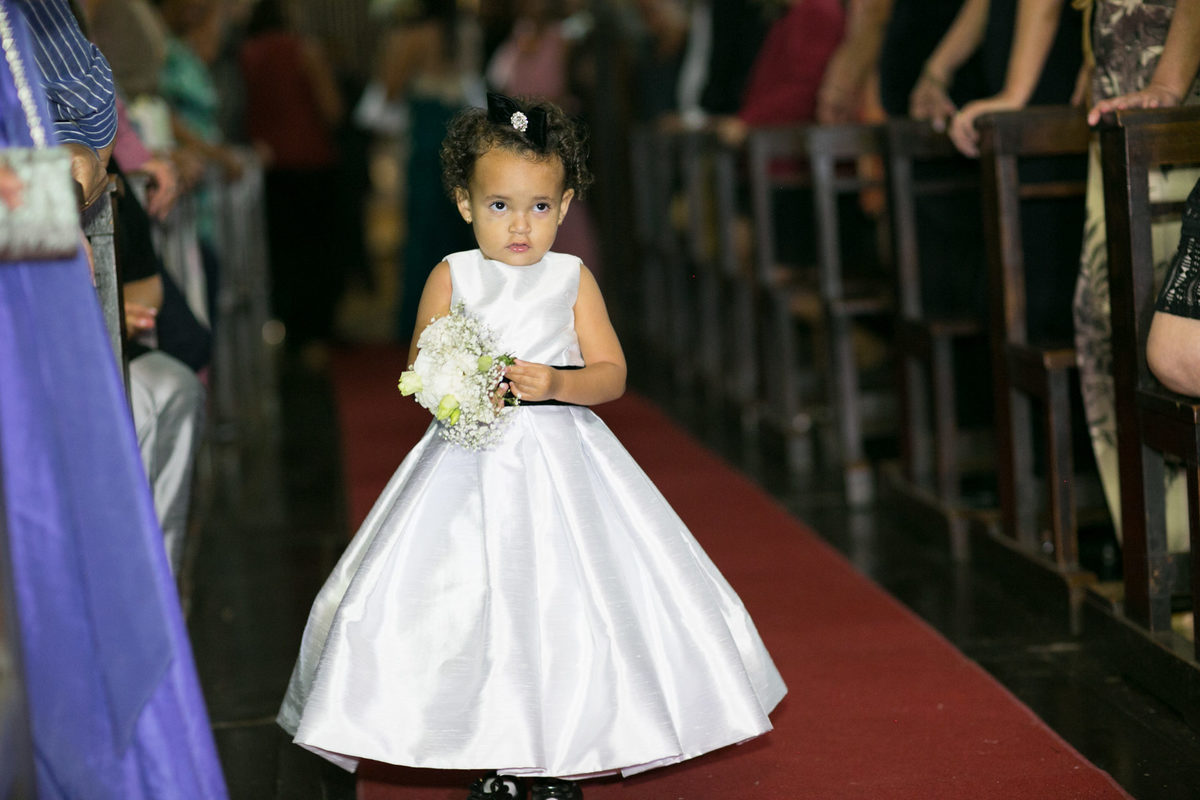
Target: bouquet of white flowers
{"type": "Point", "coordinates": [455, 377]}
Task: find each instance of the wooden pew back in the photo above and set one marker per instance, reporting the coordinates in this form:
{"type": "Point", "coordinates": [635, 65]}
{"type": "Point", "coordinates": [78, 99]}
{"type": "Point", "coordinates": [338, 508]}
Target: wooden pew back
{"type": "Point", "coordinates": [1150, 421]}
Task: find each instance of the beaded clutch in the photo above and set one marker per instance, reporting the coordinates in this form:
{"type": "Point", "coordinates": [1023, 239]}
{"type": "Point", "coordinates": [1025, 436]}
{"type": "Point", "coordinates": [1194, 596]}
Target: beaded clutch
{"type": "Point", "coordinates": [45, 224]}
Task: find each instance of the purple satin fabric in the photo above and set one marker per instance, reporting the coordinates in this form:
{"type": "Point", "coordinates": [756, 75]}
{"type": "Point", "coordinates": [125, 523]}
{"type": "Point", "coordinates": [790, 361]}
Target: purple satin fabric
{"type": "Point", "coordinates": [115, 706]}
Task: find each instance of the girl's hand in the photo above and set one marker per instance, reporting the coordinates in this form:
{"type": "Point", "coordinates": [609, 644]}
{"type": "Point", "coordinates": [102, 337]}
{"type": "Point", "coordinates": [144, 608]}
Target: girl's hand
{"type": "Point", "coordinates": [930, 101]}
{"type": "Point", "coordinates": [531, 381]}
{"type": "Point", "coordinates": [962, 125]}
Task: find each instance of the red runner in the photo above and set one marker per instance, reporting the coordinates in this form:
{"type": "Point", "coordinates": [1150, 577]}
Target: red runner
{"type": "Point", "coordinates": [880, 705]}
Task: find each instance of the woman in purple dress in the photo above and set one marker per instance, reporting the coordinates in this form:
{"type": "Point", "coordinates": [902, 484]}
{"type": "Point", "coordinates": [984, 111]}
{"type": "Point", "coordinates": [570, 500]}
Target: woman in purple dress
{"type": "Point", "coordinates": [114, 704]}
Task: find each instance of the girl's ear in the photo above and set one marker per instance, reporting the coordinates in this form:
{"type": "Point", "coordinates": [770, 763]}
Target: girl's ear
{"type": "Point", "coordinates": [564, 204]}
{"type": "Point", "coordinates": [463, 200]}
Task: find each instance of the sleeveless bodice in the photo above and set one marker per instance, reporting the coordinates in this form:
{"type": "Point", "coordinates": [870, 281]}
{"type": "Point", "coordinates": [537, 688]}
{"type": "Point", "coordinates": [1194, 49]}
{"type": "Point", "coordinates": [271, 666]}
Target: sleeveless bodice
{"type": "Point", "coordinates": [531, 309]}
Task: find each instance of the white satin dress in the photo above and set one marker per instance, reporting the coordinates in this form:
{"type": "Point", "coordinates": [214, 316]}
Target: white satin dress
{"type": "Point", "coordinates": [537, 608]}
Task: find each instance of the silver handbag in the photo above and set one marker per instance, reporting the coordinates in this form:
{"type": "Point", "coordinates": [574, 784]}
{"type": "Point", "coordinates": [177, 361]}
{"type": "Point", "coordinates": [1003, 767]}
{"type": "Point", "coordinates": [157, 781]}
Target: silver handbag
{"type": "Point", "coordinates": [46, 223]}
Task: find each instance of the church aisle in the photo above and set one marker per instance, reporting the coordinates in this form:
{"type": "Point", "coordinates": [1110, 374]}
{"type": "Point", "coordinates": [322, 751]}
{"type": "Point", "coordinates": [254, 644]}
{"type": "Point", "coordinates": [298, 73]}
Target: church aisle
{"type": "Point", "coordinates": [268, 542]}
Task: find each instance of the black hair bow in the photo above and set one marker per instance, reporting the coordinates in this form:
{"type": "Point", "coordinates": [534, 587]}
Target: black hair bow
{"type": "Point", "coordinates": [504, 111]}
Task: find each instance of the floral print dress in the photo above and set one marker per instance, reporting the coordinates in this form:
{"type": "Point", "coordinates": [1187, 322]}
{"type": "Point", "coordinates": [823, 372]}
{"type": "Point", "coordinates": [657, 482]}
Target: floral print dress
{"type": "Point", "coordinates": [1127, 40]}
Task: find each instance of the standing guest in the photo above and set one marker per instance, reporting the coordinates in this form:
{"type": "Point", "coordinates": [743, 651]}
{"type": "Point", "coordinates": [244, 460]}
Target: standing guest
{"type": "Point", "coordinates": [535, 61]}
{"type": "Point", "coordinates": [188, 87]}
{"type": "Point", "coordinates": [78, 85]}
{"type": "Point", "coordinates": [293, 107]}
{"type": "Point", "coordinates": [783, 84]}
{"type": "Point", "coordinates": [1030, 54]}
{"type": "Point", "coordinates": [114, 702]}
{"type": "Point", "coordinates": [431, 63]}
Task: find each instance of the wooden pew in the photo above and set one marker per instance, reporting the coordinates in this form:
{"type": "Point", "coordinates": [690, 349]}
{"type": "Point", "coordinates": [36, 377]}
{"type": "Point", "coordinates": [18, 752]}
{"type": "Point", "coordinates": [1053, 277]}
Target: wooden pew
{"type": "Point", "coordinates": [821, 159]}
{"type": "Point", "coordinates": [243, 369]}
{"type": "Point", "coordinates": [925, 342]}
{"type": "Point", "coordinates": [99, 225]}
{"type": "Point", "coordinates": [665, 291]}
{"type": "Point", "coordinates": [1152, 423]}
{"type": "Point", "coordinates": [724, 341]}
{"type": "Point", "coordinates": [1024, 372]}
{"type": "Point", "coordinates": [650, 201]}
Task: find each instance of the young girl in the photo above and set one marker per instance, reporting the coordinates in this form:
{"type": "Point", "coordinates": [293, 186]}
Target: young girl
{"type": "Point", "coordinates": [534, 609]}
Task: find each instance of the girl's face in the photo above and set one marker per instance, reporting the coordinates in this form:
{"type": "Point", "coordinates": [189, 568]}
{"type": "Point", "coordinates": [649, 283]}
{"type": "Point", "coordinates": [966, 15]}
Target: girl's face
{"type": "Point", "coordinates": [514, 204]}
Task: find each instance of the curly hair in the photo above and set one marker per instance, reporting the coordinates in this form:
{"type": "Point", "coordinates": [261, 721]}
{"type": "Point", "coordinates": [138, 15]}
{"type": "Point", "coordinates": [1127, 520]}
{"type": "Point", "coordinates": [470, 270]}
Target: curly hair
{"type": "Point", "coordinates": [470, 135]}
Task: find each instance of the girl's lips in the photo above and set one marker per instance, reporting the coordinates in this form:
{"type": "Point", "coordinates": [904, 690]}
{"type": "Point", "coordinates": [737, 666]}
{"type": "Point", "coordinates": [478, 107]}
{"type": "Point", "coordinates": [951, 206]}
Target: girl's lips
{"type": "Point", "coordinates": [518, 248]}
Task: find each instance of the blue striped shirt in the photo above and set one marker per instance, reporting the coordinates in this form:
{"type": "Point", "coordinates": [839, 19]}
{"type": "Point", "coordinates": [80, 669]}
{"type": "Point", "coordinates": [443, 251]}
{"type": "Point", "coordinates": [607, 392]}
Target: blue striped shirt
{"type": "Point", "coordinates": [75, 75]}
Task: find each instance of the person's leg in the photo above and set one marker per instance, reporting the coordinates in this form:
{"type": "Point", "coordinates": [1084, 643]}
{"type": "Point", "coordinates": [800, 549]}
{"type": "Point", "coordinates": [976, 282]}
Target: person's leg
{"type": "Point", "coordinates": [168, 413]}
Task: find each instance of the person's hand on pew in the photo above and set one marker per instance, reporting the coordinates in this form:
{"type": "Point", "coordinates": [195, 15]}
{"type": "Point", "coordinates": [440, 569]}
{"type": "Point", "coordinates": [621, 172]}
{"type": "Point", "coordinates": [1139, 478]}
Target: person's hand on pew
{"type": "Point", "coordinates": [1175, 71]}
{"type": "Point", "coordinates": [1153, 96]}
{"type": "Point", "coordinates": [163, 188]}
{"type": "Point", "coordinates": [929, 100]}
{"type": "Point", "coordinates": [230, 163]}
{"type": "Point", "coordinates": [732, 131]}
{"type": "Point", "coordinates": [962, 125]}
{"type": "Point", "coordinates": [189, 166]}
{"type": "Point", "coordinates": [88, 170]}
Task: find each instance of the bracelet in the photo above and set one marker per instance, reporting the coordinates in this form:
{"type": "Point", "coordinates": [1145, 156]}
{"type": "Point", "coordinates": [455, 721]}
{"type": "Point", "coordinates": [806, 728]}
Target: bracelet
{"type": "Point", "coordinates": [940, 83]}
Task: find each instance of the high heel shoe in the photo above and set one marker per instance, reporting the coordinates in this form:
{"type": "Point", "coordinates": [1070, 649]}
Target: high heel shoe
{"type": "Point", "coordinates": [555, 789]}
{"type": "Point", "coordinates": [497, 787]}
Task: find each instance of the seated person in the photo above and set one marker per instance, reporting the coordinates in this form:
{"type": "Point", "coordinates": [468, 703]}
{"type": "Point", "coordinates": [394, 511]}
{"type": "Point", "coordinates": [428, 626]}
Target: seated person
{"type": "Point", "coordinates": [1173, 345]}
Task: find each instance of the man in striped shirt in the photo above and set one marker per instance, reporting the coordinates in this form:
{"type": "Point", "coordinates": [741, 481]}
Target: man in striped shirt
{"type": "Point", "coordinates": [79, 87]}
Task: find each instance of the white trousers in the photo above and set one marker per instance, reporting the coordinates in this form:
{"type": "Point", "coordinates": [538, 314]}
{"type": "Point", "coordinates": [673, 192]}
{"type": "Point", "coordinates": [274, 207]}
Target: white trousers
{"type": "Point", "coordinates": [168, 413]}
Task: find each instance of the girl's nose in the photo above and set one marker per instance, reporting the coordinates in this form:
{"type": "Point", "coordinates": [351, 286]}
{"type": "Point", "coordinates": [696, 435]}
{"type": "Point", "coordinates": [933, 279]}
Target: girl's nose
{"type": "Point", "coordinates": [520, 223]}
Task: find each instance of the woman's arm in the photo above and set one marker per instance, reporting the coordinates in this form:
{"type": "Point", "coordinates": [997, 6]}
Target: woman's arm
{"type": "Point", "coordinates": [1173, 352]}
{"type": "Point", "coordinates": [1176, 69]}
{"type": "Point", "coordinates": [603, 377]}
{"type": "Point", "coordinates": [841, 93]}
{"type": "Point", "coordinates": [1037, 25]}
{"type": "Point", "coordinates": [930, 97]}
{"type": "Point", "coordinates": [323, 82]}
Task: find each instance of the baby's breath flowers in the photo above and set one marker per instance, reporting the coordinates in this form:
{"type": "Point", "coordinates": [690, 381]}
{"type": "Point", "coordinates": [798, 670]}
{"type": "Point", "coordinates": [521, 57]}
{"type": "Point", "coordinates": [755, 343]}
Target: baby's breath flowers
{"type": "Point", "coordinates": [456, 376]}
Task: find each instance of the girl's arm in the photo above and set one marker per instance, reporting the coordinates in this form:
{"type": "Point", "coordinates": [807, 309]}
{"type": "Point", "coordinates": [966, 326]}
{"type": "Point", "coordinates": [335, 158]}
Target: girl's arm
{"type": "Point", "coordinates": [1037, 24]}
{"type": "Point", "coordinates": [435, 302]}
{"type": "Point", "coordinates": [930, 97]}
{"type": "Point", "coordinates": [603, 378]}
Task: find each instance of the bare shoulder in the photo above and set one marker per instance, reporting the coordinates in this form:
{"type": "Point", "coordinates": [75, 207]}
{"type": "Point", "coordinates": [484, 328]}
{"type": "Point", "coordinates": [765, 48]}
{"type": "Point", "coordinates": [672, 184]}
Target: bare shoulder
{"type": "Point", "coordinates": [440, 276]}
{"type": "Point", "coordinates": [587, 279]}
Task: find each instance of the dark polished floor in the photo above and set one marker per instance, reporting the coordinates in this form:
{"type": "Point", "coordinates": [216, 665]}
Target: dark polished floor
{"type": "Point", "coordinates": [272, 528]}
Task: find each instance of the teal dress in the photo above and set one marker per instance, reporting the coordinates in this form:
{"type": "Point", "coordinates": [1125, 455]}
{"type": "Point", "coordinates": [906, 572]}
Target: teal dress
{"type": "Point", "coordinates": [434, 227]}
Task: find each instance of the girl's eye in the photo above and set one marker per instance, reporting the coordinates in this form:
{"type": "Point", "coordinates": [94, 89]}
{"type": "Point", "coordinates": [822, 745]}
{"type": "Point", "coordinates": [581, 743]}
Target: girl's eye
{"type": "Point", "coordinates": [542, 207]}
{"type": "Point", "coordinates": [498, 205]}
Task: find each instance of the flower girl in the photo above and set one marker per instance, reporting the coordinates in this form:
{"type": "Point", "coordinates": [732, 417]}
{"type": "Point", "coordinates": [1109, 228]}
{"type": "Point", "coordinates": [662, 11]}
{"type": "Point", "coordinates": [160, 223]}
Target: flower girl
{"type": "Point", "coordinates": [531, 608]}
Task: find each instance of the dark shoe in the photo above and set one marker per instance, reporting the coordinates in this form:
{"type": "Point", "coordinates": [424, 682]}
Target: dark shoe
{"type": "Point", "coordinates": [555, 789]}
{"type": "Point", "coordinates": [497, 787]}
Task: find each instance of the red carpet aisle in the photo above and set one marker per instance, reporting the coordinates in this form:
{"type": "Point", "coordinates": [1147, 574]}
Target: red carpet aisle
{"type": "Point", "coordinates": [880, 706]}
